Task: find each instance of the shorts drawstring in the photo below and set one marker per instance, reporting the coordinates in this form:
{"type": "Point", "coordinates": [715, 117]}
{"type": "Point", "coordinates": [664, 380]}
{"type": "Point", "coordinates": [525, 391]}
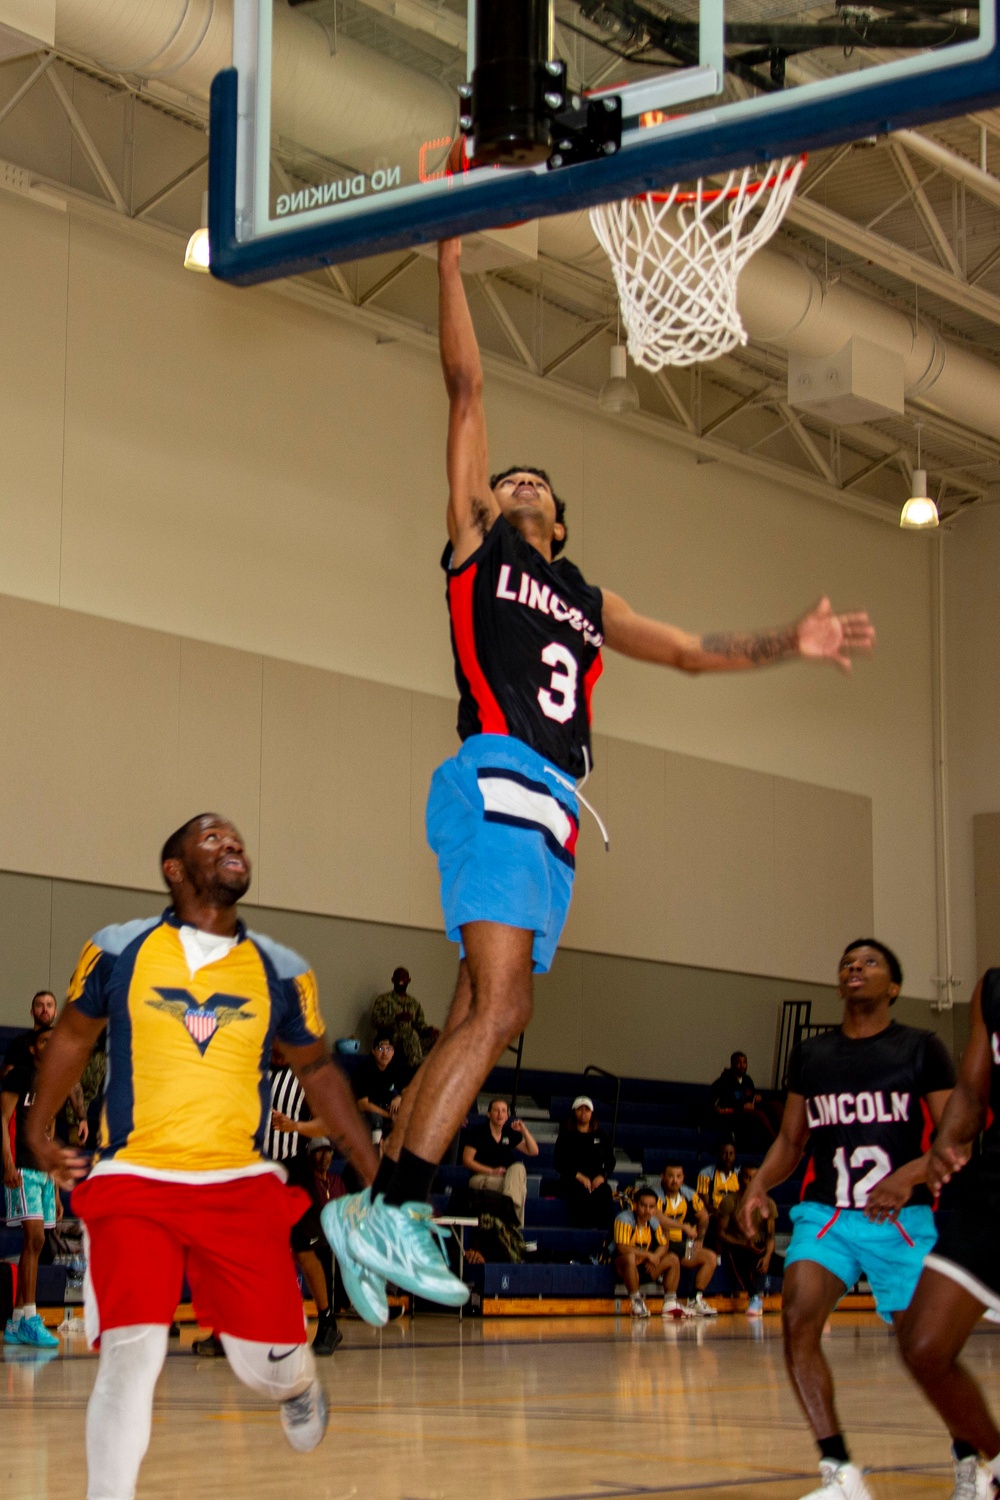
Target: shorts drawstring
{"type": "Point", "coordinates": [577, 788]}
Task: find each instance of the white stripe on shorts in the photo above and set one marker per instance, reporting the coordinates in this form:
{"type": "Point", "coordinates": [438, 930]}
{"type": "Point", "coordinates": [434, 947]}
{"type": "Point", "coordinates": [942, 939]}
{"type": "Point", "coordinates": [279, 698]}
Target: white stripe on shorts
{"type": "Point", "coordinates": [965, 1279]}
{"type": "Point", "coordinates": [512, 799]}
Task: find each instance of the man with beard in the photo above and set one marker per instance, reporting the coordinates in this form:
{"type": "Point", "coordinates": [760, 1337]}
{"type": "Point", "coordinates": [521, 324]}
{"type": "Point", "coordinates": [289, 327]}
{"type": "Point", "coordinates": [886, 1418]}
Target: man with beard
{"type": "Point", "coordinates": [192, 1002]}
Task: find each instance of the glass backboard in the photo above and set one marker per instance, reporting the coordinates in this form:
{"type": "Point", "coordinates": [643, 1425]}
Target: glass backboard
{"type": "Point", "coordinates": [333, 135]}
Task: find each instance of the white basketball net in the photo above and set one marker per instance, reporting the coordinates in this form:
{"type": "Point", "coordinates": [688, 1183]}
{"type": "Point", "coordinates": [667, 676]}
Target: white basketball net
{"type": "Point", "coordinates": [676, 266]}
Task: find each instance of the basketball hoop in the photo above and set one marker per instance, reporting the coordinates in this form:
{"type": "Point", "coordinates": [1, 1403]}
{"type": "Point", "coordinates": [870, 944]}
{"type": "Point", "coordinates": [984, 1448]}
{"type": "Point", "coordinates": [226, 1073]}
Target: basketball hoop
{"type": "Point", "coordinates": [676, 267]}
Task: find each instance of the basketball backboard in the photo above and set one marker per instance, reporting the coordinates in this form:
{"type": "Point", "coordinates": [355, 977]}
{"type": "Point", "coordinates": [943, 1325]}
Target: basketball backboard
{"type": "Point", "coordinates": [331, 134]}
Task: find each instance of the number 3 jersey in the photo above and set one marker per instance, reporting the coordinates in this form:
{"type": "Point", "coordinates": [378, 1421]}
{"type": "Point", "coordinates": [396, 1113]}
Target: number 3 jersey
{"type": "Point", "coordinates": [527, 637]}
{"type": "Point", "coordinates": [864, 1100]}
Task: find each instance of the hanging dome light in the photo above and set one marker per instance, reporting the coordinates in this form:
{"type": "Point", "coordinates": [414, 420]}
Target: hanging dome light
{"type": "Point", "coordinates": [919, 513]}
{"type": "Point", "coordinates": [196, 254]}
{"type": "Point", "coordinates": [618, 394]}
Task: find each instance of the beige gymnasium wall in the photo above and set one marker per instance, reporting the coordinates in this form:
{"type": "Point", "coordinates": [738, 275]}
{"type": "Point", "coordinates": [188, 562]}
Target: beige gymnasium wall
{"type": "Point", "coordinates": [243, 498]}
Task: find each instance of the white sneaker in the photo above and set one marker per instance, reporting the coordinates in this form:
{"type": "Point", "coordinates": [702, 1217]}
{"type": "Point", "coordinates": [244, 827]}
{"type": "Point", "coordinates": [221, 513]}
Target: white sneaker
{"type": "Point", "coordinates": [839, 1482]}
{"type": "Point", "coordinates": [671, 1307]}
{"type": "Point", "coordinates": [304, 1418]}
{"type": "Point", "coordinates": [973, 1480]}
{"type": "Point", "coordinates": [755, 1307]}
{"type": "Point", "coordinates": [699, 1308]}
{"type": "Point", "coordinates": [639, 1308]}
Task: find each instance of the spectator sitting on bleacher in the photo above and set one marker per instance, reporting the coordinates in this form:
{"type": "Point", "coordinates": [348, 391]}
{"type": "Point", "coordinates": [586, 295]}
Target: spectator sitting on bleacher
{"type": "Point", "coordinates": [378, 1084]}
{"type": "Point", "coordinates": [686, 1220]}
{"type": "Point", "coordinates": [584, 1159]}
{"type": "Point", "coordinates": [491, 1152]}
{"type": "Point", "coordinates": [748, 1257]}
{"type": "Point", "coordinates": [640, 1244]}
{"type": "Point", "coordinates": [736, 1104]}
{"type": "Point", "coordinates": [717, 1179]}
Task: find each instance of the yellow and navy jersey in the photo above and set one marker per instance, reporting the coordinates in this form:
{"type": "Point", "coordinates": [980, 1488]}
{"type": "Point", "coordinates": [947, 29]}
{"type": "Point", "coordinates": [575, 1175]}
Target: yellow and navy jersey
{"type": "Point", "coordinates": [714, 1184]}
{"type": "Point", "coordinates": [628, 1231]}
{"type": "Point", "coordinates": [684, 1209]}
{"type": "Point", "coordinates": [187, 1083]}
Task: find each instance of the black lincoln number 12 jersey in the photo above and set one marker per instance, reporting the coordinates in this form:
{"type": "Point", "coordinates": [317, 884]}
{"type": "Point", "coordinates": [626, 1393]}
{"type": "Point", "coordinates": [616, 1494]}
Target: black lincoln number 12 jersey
{"type": "Point", "coordinates": [864, 1101]}
{"type": "Point", "coordinates": [990, 998]}
{"type": "Point", "coordinates": [527, 637]}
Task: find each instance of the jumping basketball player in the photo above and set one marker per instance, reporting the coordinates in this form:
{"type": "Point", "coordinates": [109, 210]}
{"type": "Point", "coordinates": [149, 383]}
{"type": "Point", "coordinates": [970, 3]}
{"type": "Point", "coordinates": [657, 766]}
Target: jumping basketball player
{"type": "Point", "coordinates": [192, 1002]}
{"type": "Point", "coordinates": [527, 631]}
{"type": "Point", "coordinates": [857, 1096]}
{"type": "Point", "coordinates": [961, 1279]}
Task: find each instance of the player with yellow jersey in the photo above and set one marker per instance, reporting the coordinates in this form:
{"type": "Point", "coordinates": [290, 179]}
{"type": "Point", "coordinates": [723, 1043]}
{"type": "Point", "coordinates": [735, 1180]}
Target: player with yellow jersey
{"type": "Point", "coordinates": [686, 1220]}
{"type": "Point", "coordinates": [640, 1244]}
{"type": "Point", "coordinates": [192, 1002]}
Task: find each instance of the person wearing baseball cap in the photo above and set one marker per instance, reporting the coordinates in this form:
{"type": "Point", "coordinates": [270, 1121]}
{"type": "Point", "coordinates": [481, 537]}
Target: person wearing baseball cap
{"type": "Point", "coordinates": [584, 1159]}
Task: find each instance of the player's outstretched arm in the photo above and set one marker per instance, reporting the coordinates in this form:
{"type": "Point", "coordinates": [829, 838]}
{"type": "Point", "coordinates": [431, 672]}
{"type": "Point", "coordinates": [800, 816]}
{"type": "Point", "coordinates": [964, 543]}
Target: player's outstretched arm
{"type": "Point", "coordinates": [819, 636]}
{"type": "Point", "coordinates": [329, 1096]}
{"type": "Point", "coordinates": [780, 1162]}
{"type": "Point", "coordinates": [471, 506]}
{"type": "Point", "coordinates": [62, 1064]}
{"type": "Point", "coordinates": [965, 1113]}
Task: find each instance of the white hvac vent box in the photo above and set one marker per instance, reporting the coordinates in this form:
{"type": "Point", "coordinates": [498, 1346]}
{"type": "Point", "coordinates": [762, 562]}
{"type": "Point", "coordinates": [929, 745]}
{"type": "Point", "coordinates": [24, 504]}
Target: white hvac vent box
{"type": "Point", "coordinates": [863, 382]}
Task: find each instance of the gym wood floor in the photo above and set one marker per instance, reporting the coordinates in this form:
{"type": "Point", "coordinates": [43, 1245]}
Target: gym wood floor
{"type": "Point", "coordinates": [505, 1409]}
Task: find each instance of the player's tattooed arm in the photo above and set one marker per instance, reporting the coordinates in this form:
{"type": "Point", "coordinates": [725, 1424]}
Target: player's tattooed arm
{"type": "Point", "coordinates": [471, 506]}
{"type": "Point", "coordinates": [330, 1099]}
{"type": "Point", "coordinates": [819, 635]}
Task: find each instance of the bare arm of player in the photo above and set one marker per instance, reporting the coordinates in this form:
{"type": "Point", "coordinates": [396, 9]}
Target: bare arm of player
{"type": "Point", "coordinates": [329, 1096]}
{"type": "Point", "coordinates": [780, 1162]}
{"type": "Point", "coordinates": [894, 1192]}
{"type": "Point", "coordinates": [313, 1130]}
{"type": "Point", "coordinates": [965, 1112]}
{"type": "Point", "coordinates": [471, 506]}
{"type": "Point", "coordinates": [819, 635]}
{"type": "Point", "coordinates": [63, 1061]}
{"type": "Point", "coordinates": [11, 1176]}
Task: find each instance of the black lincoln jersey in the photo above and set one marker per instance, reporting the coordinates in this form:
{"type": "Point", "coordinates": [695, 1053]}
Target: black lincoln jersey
{"type": "Point", "coordinates": [864, 1103]}
{"type": "Point", "coordinates": [527, 637]}
{"type": "Point", "coordinates": [991, 1019]}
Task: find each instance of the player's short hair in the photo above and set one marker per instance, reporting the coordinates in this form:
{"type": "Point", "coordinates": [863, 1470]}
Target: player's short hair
{"type": "Point", "coordinates": [645, 1192]}
{"type": "Point", "coordinates": [895, 967]}
{"type": "Point", "coordinates": [669, 1165]}
{"type": "Point", "coordinates": [174, 846]}
{"type": "Point", "coordinates": [497, 1099]}
{"type": "Point", "coordinates": [557, 545]}
{"type": "Point", "coordinates": [39, 993]}
{"type": "Point", "coordinates": [734, 1055]}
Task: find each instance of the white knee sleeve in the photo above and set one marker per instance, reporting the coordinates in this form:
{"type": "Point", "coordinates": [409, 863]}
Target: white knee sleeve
{"type": "Point", "coordinates": [278, 1372]}
{"type": "Point", "coordinates": [120, 1411]}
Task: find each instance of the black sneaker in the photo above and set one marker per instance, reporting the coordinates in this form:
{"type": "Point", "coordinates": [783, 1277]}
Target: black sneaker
{"type": "Point", "coordinates": [328, 1337]}
{"type": "Point", "coordinates": [210, 1348]}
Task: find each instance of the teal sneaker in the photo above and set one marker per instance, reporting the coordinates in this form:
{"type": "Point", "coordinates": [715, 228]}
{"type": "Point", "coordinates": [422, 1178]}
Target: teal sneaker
{"type": "Point", "coordinates": [10, 1333]}
{"type": "Point", "coordinates": [405, 1247]}
{"type": "Point", "coordinates": [33, 1333]}
{"type": "Point", "coordinates": [367, 1292]}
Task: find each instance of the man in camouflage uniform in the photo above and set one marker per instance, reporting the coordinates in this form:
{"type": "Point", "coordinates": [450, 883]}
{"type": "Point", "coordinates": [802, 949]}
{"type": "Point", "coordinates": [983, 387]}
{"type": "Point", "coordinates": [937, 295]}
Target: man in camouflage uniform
{"type": "Point", "coordinates": [403, 1016]}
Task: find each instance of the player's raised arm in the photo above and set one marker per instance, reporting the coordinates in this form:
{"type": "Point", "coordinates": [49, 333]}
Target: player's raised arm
{"type": "Point", "coordinates": [471, 506]}
{"type": "Point", "coordinates": [819, 635]}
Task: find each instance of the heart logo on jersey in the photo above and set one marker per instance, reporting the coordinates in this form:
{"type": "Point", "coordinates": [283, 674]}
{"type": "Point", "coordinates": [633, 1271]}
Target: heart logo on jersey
{"type": "Point", "coordinates": [201, 1021]}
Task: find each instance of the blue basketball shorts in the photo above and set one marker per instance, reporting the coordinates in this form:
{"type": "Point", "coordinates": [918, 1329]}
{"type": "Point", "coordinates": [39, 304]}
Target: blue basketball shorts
{"type": "Point", "coordinates": [890, 1256]}
{"type": "Point", "coordinates": [34, 1199]}
{"type": "Point", "coordinates": [503, 823]}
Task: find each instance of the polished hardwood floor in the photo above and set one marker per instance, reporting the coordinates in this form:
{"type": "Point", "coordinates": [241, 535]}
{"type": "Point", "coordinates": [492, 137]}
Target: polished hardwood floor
{"type": "Point", "coordinates": [527, 1409]}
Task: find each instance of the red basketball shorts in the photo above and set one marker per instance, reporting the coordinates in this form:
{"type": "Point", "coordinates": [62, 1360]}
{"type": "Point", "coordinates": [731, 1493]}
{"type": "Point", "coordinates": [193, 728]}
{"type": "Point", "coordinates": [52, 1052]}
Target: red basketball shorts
{"type": "Point", "coordinates": [230, 1239]}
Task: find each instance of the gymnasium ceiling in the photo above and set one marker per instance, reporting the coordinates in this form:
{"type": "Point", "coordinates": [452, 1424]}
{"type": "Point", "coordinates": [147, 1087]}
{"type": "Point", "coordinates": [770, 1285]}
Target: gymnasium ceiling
{"type": "Point", "coordinates": [877, 217]}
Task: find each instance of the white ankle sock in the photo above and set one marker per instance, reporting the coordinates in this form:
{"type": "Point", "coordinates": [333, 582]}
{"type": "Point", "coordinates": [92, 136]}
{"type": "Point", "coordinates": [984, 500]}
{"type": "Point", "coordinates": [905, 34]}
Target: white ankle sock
{"type": "Point", "coordinates": [18, 1314]}
{"type": "Point", "coordinates": [30, 1310]}
{"type": "Point", "coordinates": [994, 1466]}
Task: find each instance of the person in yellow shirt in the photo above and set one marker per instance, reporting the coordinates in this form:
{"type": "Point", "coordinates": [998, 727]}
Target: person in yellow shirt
{"type": "Point", "coordinates": [192, 1002]}
{"type": "Point", "coordinates": [715, 1181]}
{"type": "Point", "coordinates": [686, 1220]}
{"type": "Point", "coordinates": [640, 1244]}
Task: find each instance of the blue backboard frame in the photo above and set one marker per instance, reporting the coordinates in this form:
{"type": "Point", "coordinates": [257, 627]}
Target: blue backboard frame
{"type": "Point", "coordinates": [696, 145]}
